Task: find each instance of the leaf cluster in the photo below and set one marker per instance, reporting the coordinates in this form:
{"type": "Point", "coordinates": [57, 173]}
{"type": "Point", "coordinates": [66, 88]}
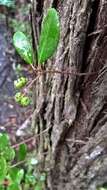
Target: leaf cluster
{"type": "Point", "coordinates": [13, 177]}
{"type": "Point", "coordinates": [49, 38]}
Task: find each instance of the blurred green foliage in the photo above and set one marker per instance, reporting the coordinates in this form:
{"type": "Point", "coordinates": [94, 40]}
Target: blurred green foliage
{"type": "Point", "coordinates": [13, 177]}
{"type": "Point", "coordinates": [8, 3]}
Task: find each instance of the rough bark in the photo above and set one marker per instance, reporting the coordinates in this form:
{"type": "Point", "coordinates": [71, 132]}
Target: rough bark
{"type": "Point", "coordinates": [72, 107]}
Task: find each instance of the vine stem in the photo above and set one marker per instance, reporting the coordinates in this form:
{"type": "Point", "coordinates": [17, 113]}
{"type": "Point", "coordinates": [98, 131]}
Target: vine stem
{"type": "Point", "coordinates": [30, 138]}
{"type": "Point", "coordinates": [65, 72]}
{"type": "Point", "coordinates": [73, 72]}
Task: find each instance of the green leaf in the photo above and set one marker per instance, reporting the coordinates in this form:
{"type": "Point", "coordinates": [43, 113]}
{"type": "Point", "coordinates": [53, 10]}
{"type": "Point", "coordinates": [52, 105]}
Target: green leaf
{"type": "Point", "coordinates": [22, 151]}
{"type": "Point", "coordinates": [16, 175]}
{"type": "Point", "coordinates": [13, 173]}
{"type": "Point", "coordinates": [30, 179]}
{"type": "Point", "coordinates": [4, 141]}
{"type": "Point", "coordinates": [14, 186]}
{"type": "Point", "coordinates": [23, 46]}
{"type": "Point", "coordinates": [3, 169]}
{"type": "Point", "coordinates": [38, 187]}
{"type": "Point", "coordinates": [9, 153]}
{"type": "Point", "coordinates": [49, 37]}
{"type": "Point", "coordinates": [20, 175]}
{"type": "Point", "coordinates": [1, 187]}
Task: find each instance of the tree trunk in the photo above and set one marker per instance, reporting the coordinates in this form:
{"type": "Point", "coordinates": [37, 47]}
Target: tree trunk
{"type": "Point", "coordinates": [70, 108]}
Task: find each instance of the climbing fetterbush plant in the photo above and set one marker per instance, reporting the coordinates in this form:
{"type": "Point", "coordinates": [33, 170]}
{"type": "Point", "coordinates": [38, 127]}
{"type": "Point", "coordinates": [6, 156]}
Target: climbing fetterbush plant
{"type": "Point", "coordinates": [48, 42]}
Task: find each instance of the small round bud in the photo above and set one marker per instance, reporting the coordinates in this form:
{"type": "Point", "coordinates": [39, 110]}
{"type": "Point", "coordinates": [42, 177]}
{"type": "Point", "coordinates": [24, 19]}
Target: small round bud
{"type": "Point", "coordinates": [18, 97]}
{"type": "Point", "coordinates": [21, 82]}
{"type": "Point", "coordinates": [25, 101]}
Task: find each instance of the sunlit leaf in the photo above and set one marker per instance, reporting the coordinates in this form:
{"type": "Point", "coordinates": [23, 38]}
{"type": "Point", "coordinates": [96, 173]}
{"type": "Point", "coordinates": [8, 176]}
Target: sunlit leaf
{"type": "Point", "coordinates": [16, 175]}
{"type": "Point", "coordinates": [19, 176]}
{"type": "Point", "coordinates": [9, 153]}
{"type": "Point", "coordinates": [14, 186]}
{"type": "Point", "coordinates": [102, 188]}
{"type": "Point", "coordinates": [4, 141]}
{"type": "Point", "coordinates": [3, 169]}
{"type": "Point", "coordinates": [49, 36]}
{"type": "Point", "coordinates": [23, 46]}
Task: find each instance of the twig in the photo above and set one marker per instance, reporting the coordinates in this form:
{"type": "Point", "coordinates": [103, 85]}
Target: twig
{"type": "Point", "coordinates": [76, 141]}
{"type": "Point", "coordinates": [95, 32]}
{"type": "Point", "coordinates": [30, 85]}
{"type": "Point", "coordinates": [31, 138]}
{"type": "Point", "coordinates": [18, 163]}
{"type": "Point", "coordinates": [32, 67]}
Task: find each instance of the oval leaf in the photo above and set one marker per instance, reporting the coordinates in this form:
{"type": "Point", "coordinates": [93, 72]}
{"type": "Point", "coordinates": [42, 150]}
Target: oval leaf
{"type": "Point", "coordinates": [3, 169]}
{"type": "Point", "coordinates": [4, 141]}
{"type": "Point", "coordinates": [22, 151]}
{"type": "Point", "coordinates": [23, 46]}
{"type": "Point", "coordinates": [49, 37]}
{"type": "Point", "coordinates": [19, 176]}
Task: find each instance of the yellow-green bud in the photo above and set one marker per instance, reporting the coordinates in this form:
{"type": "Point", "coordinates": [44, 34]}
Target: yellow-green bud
{"type": "Point", "coordinates": [21, 82]}
{"type": "Point", "coordinates": [25, 101]}
{"type": "Point", "coordinates": [18, 97]}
